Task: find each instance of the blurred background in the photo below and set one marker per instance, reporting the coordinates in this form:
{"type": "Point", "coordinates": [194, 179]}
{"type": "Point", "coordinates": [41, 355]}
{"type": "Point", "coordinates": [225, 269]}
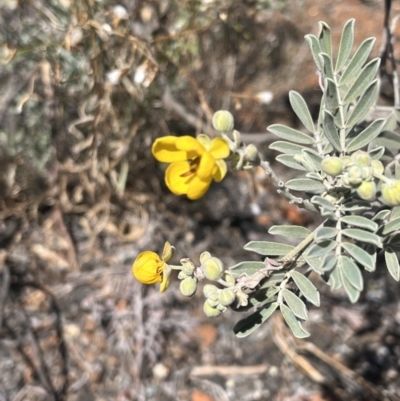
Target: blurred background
{"type": "Point", "coordinates": [85, 88]}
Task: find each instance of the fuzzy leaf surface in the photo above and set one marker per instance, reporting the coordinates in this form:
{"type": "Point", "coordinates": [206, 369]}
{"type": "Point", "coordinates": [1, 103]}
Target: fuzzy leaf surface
{"type": "Point", "coordinates": [268, 248]}
{"type": "Point", "coordinates": [351, 272]}
{"type": "Point", "coordinates": [362, 236]}
{"type": "Point", "coordinates": [392, 263]}
{"type": "Point", "coordinates": [362, 222]}
{"type": "Point", "coordinates": [360, 255]}
{"type": "Point", "coordinates": [299, 106]}
{"type": "Point", "coordinates": [357, 61]}
{"type": "Point", "coordinates": [366, 136]}
{"type": "Point", "coordinates": [290, 231]}
{"type": "Point", "coordinates": [305, 184]}
{"type": "Point", "coordinates": [330, 131]}
{"type": "Point", "coordinates": [290, 134]}
{"type": "Point", "coordinates": [289, 161]}
{"type": "Point", "coordinates": [286, 147]}
{"type": "Point", "coordinates": [295, 304]}
{"type": "Point", "coordinates": [293, 323]}
{"type": "Point", "coordinates": [306, 287]}
{"type": "Point", "coordinates": [247, 267]}
{"type": "Point", "coordinates": [346, 44]}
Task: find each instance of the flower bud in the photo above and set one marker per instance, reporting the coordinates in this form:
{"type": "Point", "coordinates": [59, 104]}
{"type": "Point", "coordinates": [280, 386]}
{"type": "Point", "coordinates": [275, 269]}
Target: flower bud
{"type": "Point", "coordinates": [354, 175]}
{"type": "Point", "coordinates": [391, 193]}
{"type": "Point", "coordinates": [212, 268]}
{"type": "Point", "coordinates": [361, 158]}
{"type": "Point", "coordinates": [332, 166]}
{"type": "Point", "coordinates": [251, 154]}
{"type": "Point", "coordinates": [347, 161]}
{"type": "Point", "coordinates": [210, 291]}
{"type": "Point", "coordinates": [230, 278]}
{"type": "Point", "coordinates": [209, 310]}
{"type": "Point", "coordinates": [187, 266]}
{"type": "Point", "coordinates": [223, 121]}
{"type": "Point", "coordinates": [226, 296]}
{"type": "Point", "coordinates": [188, 286]}
{"type": "Point", "coordinates": [366, 173]}
{"type": "Point", "coordinates": [367, 190]}
{"type": "Point", "coordinates": [377, 167]}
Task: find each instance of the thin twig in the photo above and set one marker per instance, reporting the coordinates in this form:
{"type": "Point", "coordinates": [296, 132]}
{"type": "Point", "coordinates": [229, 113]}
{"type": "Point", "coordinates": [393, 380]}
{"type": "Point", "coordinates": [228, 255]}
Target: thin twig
{"type": "Point", "coordinates": [4, 291]}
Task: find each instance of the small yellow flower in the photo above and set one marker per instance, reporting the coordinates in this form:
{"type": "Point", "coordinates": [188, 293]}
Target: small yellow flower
{"type": "Point", "coordinates": [150, 268]}
{"type": "Point", "coordinates": [195, 162]}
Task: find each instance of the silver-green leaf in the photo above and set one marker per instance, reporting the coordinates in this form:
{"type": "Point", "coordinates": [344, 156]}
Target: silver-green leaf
{"type": "Point", "coordinates": [268, 248]}
{"type": "Point", "coordinates": [306, 287]}
{"type": "Point", "coordinates": [326, 64]}
{"type": "Point", "coordinates": [361, 256]}
{"type": "Point", "coordinates": [324, 37]}
{"type": "Point", "coordinates": [321, 249]}
{"type": "Point", "coordinates": [391, 226]}
{"type": "Point", "coordinates": [362, 236]}
{"type": "Point", "coordinates": [346, 44]}
{"type": "Point", "coordinates": [290, 134]}
{"type": "Point", "coordinates": [324, 233]}
{"type": "Point", "coordinates": [290, 231]}
{"type": "Point", "coordinates": [330, 131]}
{"type": "Point", "coordinates": [313, 43]}
{"type": "Point", "coordinates": [289, 161]}
{"type": "Point", "coordinates": [364, 104]}
{"type": "Point", "coordinates": [351, 272]}
{"type": "Point", "coordinates": [357, 61]}
{"type": "Point", "coordinates": [293, 323]}
{"type": "Point", "coordinates": [286, 147]}
{"type": "Point", "coordinates": [351, 291]}
{"type": "Point", "coordinates": [251, 323]}
{"type": "Point", "coordinates": [314, 263]}
{"type": "Point", "coordinates": [296, 305]}
{"type": "Point", "coordinates": [361, 83]}
{"type": "Point", "coordinates": [247, 267]}
{"type": "Point", "coordinates": [392, 263]}
{"type": "Point", "coordinates": [299, 106]}
{"type": "Point", "coordinates": [305, 184]}
{"type": "Point", "coordinates": [359, 221]}
{"type": "Point", "coordinates": [366, 136]}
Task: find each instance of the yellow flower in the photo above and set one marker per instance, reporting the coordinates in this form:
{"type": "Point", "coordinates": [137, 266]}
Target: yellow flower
{"type": "Point", "coordinates": [150, 268]}
{"type": "Point", "coordinates": [195, 162]}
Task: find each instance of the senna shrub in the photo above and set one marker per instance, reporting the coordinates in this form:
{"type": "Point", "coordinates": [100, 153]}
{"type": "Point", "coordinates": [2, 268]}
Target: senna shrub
{"type": "Point", "coordinates": [351, 177]}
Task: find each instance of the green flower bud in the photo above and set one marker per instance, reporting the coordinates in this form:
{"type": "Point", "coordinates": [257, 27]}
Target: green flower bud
{"type": "Point", "coordinates": [345, 180]}
{"type": "Point", "coordinates": [354, 175]}
{"type": "Point", "coordinates": [227, 296]}
{"type": "Point", "coordinates": [361, 158]}
{"type": "Point", "coordinates": [213, 303]}
{"type": "Point", "coordinates": [223, 121]}
{"type": "Point", "coordinates": [210, 291]}
{"type": "Point", "coordinates": [391, 193]}
{"type": "Point", "coordinates": [188, 287]}
{"type": "Point", "coordinates": [366, 173]}
{"type": "Point", "coordinates": [210, 311]}
{"type": "Point", "coordinates": [377, 167]}
{"type": "Point", "coordinates": [182, 275]}
{"type": "Point", "coordinates": [347, 161]}
{"type": "Point", "coordinates": [230, 278]}
{"type": "Point", "coordinates": [367, 190]}
{"type": "Point", "coordinates": [188, 267]}
{"type": "Point", "coordinates": [332, 166]}
{"type": "Point", "coordinates": [212, 268]}
{"type": "Point", "coordinates": [251, 154]}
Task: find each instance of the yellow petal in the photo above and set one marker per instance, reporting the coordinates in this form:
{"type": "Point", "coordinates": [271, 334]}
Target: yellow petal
{"type": "Point", "coordinates": [165, 150]}
{"type": "Point", "coordinates": [206, 167]}
{"type": "Point", "coordinates": [168, 252]}
{"type": "Point", "coordinates": [177, 177]}
{"type": "Point", "coordinates": [165, 279]}
{"type": "Point", "coordinates": [204, 140]}
{"type": "Point", "coordinates": [219, 149]}
{"type": "Point", "coordinates": [148, 268]}
{"type": "Point", "coordinates": [198, 188]}
{"type": "Point", "coordinates": [191, 145]}
{"type": "Point", "coordinates": [220, 170]}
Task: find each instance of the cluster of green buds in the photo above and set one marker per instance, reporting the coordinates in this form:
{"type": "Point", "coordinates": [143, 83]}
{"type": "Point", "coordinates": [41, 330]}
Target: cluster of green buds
{"type": "Point", "coordinates": [218, 298]}
{"type": "Point", "coordinates": [243, 157]}
{"type": "Point", "coordinates": [357, 171]}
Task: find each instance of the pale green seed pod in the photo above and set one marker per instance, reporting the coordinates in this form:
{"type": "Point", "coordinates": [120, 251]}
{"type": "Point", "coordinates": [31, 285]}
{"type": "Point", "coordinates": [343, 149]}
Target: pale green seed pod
{"type": "Point", "coordinates": [227, 296]}
{"type": "Point", "coordinates": [210, 291]}
{"type": "Point", "coordinates": [332, 165]}
{"type": "Point", "coordinates": [367, 190]}
{"type": "Point", "coordinates": [361, 158]}
{"type": "Point", "coordinates": [377, 167]}
{"type": "Point", "coordinates": [188, 267]}
{"type": "Point", "coordinates": [212, 268]}
{"type": "Point", "coordinates": [391, 193]}
{"type": "Point", "coordinates": [210, 311]}
{"type": "Point", "coordinates": [223, 121]}
{"type": "Point", "coordinates": [188, 286]}
{"type": "Point", "coordinates": [354, 175]}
